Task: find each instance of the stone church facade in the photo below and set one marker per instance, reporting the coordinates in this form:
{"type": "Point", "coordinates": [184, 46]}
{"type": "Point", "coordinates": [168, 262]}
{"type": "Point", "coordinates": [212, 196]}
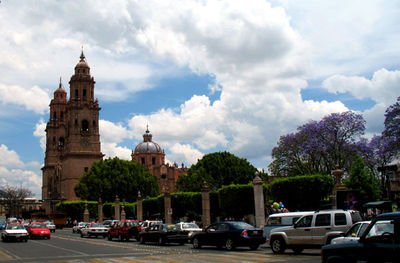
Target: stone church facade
{"type": "Point", "coordinates": [72, 137]}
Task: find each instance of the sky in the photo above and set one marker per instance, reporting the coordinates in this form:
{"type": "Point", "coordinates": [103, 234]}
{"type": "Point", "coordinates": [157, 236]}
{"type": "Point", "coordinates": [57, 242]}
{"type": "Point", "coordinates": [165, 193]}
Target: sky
{"type": "Point", "coordinates": [205, 76]}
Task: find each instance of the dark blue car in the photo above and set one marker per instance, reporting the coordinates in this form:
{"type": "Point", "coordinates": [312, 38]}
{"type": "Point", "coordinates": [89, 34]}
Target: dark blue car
{"type": "Point", "coordinates": [229, 234]}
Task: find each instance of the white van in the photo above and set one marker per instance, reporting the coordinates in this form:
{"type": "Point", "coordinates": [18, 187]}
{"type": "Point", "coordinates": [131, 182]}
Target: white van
{"type": "Point", "coordinates": [282, 219]}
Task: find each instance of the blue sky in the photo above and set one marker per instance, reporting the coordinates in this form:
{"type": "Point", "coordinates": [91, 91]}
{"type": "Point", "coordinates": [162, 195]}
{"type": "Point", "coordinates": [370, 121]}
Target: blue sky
{"type": "Point", "coordinates": [205, 76]}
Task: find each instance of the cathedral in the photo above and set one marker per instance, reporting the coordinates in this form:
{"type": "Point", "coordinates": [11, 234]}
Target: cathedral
{"type": "Point", "coordinates": [150, 154]}
{"type": "Point", "coordinates": [73, 142]}
{"type": "Point", "coordinates": [72, 137]}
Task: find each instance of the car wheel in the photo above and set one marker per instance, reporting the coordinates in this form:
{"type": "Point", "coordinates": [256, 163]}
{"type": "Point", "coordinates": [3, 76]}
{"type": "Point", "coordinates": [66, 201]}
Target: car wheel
{"type": "Point", "coordinates": [161, 241]}
{"type": "Point", "coordinates": [81, 234]}
{"type": "Point", "coordinates": [109, 237]}
{"type": "Point", "coordinates": [254, 247]}
{"type": "Point", "coordinates": [297, 250]}
{"type": "Point", "coordinates": [229, 244]}
{"type": "Point", "coordinates": [196, 243]}
{"type": "Point", "coordinates": [120, 238]}
{"type": "Point", "coordinates": [278, 246]}
{"type": "Point", "coordinates": [141, 240]}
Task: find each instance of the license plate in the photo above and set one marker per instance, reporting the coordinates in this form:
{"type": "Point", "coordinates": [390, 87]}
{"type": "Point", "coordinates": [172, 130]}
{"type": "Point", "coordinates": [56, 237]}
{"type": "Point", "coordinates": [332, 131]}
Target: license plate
{"type": "Point", "coordinates": [255, 232]}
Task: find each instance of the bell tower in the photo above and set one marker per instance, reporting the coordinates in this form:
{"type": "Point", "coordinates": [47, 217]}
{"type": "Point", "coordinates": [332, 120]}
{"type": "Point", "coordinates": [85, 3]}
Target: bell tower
{"type": "Point", "coordinates": [72, 135]}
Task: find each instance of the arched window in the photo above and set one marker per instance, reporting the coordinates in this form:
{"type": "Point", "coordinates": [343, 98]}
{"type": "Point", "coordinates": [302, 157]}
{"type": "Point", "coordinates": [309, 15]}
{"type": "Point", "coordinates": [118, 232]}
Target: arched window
{"type": "Point", "coordinates": [54, 115]}
{"type": "Point", "coordinates": [61, 142]}
{"type": "Point", "coordinates": [85, 126]}
{"type": "Point", "coordinates": [76, 93]}
{"type": "Point", "coordinates": [84, 94]}
{"type": "Point", "coordinates": [62, 115]}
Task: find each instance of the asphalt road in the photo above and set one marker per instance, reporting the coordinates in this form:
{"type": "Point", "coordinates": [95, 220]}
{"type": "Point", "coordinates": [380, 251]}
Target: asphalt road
{"type": "Point", "coordinates": [66, 247]}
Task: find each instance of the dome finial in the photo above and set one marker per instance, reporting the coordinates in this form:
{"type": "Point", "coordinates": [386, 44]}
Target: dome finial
{"type": "Point", "coordinates": [82, 57]}
{"type": "Point", "coordinates": [147, 128]}
{"type": "Point", "coordinates": [60, 86]}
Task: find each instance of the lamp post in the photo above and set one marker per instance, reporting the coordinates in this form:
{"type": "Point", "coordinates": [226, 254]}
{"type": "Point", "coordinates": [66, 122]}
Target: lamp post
{"type": "Point", "coordinates": [139, 207]}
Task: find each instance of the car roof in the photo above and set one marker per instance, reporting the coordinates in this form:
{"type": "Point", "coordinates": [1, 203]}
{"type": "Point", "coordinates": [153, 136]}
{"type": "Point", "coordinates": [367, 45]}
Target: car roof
{"type": "Point", "coordinates": [390, 215]}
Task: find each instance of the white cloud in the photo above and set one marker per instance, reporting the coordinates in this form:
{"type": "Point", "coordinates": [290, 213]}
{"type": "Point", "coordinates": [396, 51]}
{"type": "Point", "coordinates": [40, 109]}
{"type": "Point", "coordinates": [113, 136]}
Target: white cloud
{"type": "Point", "coordinates": [40, 132]}
{"type": "Point", "coordinates": [33, 99]}
{"type": "Point", "coordinates": [14, 172]}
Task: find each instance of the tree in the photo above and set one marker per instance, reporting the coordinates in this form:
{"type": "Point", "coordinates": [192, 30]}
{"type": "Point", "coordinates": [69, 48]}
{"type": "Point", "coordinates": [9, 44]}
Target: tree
{"type": "Point", "coordinates": [13, 198]}
{"type": "Point", "coordinates": [217, 169]}
{"type": "Point", "coordinates": [392, 125]}
{"type": "Point", "coordinates": [363, 180]}
{"type": "Point", "coordinates": [318, 146]}
{"type": "Point", "coordinates": [111, 177]}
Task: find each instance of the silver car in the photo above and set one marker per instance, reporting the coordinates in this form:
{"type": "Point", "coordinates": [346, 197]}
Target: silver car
{"type": "Point", "coordinates": [353, 234]}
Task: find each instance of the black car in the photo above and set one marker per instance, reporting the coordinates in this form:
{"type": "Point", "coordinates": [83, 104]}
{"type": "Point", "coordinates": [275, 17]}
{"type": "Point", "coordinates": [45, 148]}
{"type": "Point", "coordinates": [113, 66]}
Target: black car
{"type": "Point", "coordinates": [162, 234]}
{"type": "Point", "coordinates": [229, 234]}
{"type": "Point", "coordinates": [379, 243]}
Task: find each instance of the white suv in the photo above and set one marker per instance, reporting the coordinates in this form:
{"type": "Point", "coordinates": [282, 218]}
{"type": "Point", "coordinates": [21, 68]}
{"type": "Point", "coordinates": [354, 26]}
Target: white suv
{"type": "Point", "coordinates": [312, 231]}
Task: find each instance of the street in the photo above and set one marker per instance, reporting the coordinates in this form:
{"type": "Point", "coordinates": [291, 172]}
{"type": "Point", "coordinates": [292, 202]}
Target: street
{"type": "Point", "coordinates": [66, 247]}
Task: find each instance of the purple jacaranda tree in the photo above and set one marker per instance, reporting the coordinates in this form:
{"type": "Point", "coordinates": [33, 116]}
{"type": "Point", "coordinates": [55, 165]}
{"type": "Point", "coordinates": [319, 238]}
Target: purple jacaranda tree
{"type": "Point", "coordinates": [392, 125]}
{"type": "Point", "coordinates": [318, 146]}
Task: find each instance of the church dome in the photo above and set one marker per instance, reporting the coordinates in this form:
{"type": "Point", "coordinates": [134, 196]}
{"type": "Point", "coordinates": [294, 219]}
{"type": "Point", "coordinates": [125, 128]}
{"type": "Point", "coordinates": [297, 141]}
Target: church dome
{"type": "Point", "coordinates": [148, 146]}
{"type": "Point", "coordinates": [82, 67]}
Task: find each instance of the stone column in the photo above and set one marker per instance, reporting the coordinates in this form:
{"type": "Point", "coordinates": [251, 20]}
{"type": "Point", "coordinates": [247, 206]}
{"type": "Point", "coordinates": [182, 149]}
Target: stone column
{"type": "Point", "coordinates": [259, 201]}
{"type": "Point", "coordinates": [139, 207]}
{"type": "Point", "coordinates": [338, 175]}
{"type": "Point", "coordinates": [123, 214]}
{"type": "Point", "coordinates": [117, 214]}
{"type": "Point", "coordinates": [86, 216]}
{"type": "Point", "coordinates": [167, 208]}
{"type": "Point", "coordinates": [100, 210]}
{"type": "Point", "coordinates": [205, 203]}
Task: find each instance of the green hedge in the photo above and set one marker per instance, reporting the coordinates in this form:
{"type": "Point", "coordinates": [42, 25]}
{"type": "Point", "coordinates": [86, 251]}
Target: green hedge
{"type": "Point", "coordinates": [308, 192]}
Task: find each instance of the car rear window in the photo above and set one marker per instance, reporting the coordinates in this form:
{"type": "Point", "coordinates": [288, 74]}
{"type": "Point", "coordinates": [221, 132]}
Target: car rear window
{"type": "Point", "coordinates": [242, 225]}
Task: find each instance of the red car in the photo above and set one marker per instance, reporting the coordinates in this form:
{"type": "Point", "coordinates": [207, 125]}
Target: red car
{"type": "Point", "coordinates": [124, 230]}
{"type": "Point", "coordinates": [38, 230]}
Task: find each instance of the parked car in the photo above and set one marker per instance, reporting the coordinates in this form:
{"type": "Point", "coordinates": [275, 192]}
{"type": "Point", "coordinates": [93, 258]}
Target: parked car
{"type": "Point", "coordinates": [94, 229]}
{"type": "Point", "coordinates": [353, 234]}
{"type": "Point", "coordinates": [77, 228]}
{"type": "Point", "coordinates": [14, 232]}
{"type": "Point", "coordinates": [124, 230]}
{"type": "Point", "coordinates": [162, 234]}
{"type": "Point", "coordinates": [51, 226]}
{"type": "Point", "coordinates": [282, 219]}
{"type": "Point", "coordinates": [380, 242]}
{"type": "Point", "coordinates": [38, 230]}
{"type": "Point", "coordinates": [229, 234]}
{"type": "Point", "coordinates": [312, 231]}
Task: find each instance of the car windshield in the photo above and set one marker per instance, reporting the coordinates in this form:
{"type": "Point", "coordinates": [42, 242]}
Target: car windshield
{"type": "Point", "coordinates": [96, 225]}
{"type": "Point", "coordinates": [242, 225]}
{"type": "Point", "coordinates": [38, 225]}
{"type": "Point", "coordinates": [380, 228]}
{"type": "Point", "coordinates": [189, 225]}
{"type": "Point", "coordinates": [15, 227]}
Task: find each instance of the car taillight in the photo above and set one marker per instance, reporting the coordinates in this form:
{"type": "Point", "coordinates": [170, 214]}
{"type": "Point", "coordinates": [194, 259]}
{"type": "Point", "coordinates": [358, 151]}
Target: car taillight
{"type": "Point", "coordinates": [244, 233]}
